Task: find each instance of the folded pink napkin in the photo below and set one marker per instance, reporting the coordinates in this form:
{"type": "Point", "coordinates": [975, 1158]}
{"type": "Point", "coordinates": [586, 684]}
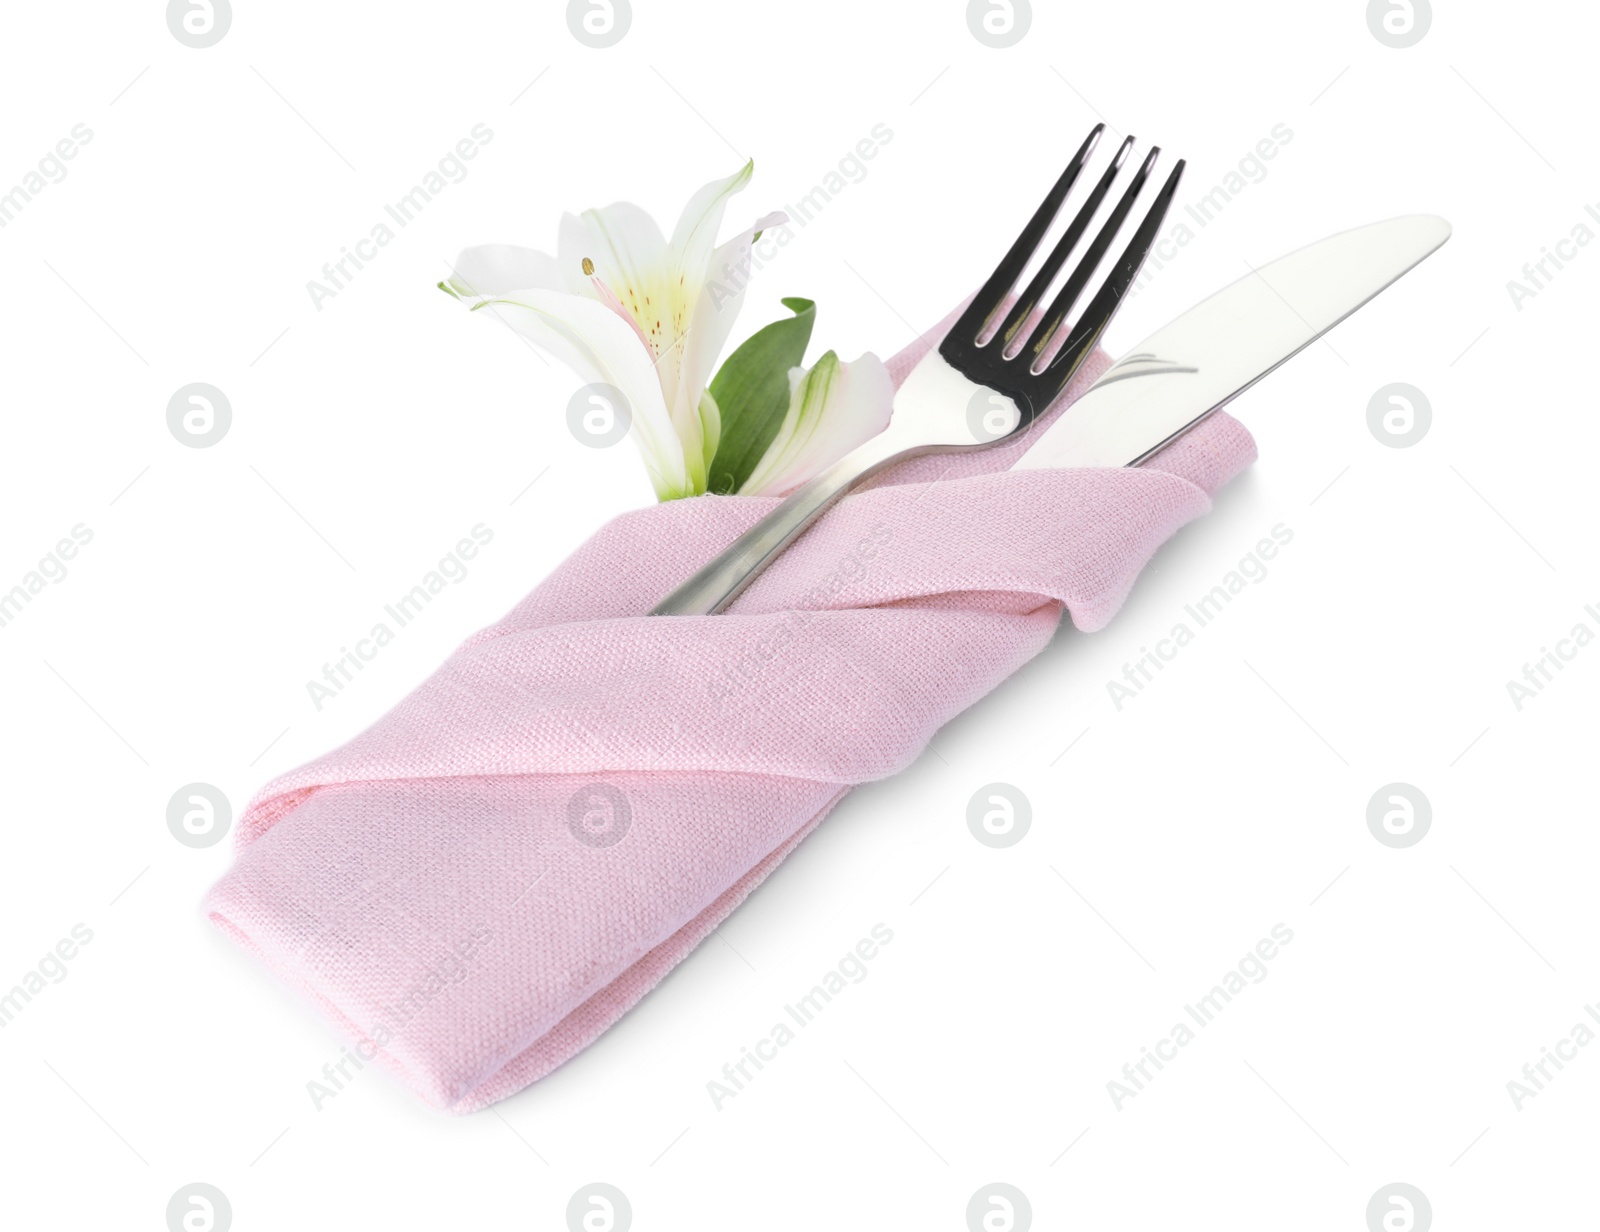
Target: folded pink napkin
{"type": "Point", "coordinates": [492, 874]}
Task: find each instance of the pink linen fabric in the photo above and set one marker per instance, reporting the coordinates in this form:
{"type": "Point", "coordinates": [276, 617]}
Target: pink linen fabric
{"type": "Point", "coordinates": [481, 883]}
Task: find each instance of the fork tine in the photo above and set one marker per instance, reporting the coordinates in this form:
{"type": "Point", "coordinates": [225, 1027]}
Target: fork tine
{"type": "Point", "coordinates": [1086, 334]}
{"type": "Point", "coordinates": [1029, 299]}
{"type": "Point", "coordinates": [992, 296]}
{"type": "Point", "coordinates": [1039, 342]}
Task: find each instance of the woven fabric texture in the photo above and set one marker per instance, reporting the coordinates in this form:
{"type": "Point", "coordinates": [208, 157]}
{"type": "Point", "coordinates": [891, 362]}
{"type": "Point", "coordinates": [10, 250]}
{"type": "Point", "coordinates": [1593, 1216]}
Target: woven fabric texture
{"type": "Point", "coordinates": [487, 878]}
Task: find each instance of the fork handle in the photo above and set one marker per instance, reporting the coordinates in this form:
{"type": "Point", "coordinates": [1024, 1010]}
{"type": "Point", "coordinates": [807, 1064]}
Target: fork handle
{"type": "Point", "coordinates": [722, 581]}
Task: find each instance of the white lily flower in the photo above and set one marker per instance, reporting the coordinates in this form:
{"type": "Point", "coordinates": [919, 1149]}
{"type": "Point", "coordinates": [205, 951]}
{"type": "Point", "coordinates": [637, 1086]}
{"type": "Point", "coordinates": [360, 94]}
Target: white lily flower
{"type": "Point", "coordinates": [623, 306]}
{"type": "Point", "coordinates": [833, 408]}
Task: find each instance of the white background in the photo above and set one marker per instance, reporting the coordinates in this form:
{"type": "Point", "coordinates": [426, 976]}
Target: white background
{"type": "Point", "coordinates": [1230, 796]}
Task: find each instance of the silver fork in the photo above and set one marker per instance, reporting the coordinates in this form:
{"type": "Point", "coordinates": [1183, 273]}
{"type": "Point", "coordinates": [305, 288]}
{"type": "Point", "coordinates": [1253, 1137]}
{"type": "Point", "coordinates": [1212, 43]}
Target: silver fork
{"type": "Point", "coordinates": [976, 389]}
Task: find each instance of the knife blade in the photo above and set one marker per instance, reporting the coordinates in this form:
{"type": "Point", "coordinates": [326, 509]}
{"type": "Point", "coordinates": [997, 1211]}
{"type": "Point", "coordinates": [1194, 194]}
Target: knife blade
{"type": "Point", "coordinates": [1202, 360]}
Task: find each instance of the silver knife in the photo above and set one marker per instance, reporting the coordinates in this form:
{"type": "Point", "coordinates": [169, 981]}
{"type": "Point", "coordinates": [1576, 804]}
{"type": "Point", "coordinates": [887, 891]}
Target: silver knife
{"type": "Point", "coordinates": [1205, 358]}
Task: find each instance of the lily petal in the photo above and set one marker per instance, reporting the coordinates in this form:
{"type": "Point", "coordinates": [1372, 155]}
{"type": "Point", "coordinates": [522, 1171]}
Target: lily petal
{"type": "Point", "coordinates": [617, 255]}
{"type": "Point", "coordinates": [695, 237]}
{"type": "Point", "coordinates": [715, 311]}
{"type": "Point", "coordinates": [833, 408]}
{"type": "Point", "coordinates": [599, 345]}
{"type": "Point", "coordinates": [494, 269]}
{"type": "Point", "coordinates": [720, 300]}
{"type": "Point", "coordinates": [627, 252]}
{"type": "Point", "coordinates": [616, 261]}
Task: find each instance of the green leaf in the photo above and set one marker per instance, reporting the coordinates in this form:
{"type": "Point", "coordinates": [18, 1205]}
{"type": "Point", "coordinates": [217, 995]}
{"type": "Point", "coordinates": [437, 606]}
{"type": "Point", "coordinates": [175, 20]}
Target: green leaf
{"type": "Point", "coordinates": [752, 394]}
